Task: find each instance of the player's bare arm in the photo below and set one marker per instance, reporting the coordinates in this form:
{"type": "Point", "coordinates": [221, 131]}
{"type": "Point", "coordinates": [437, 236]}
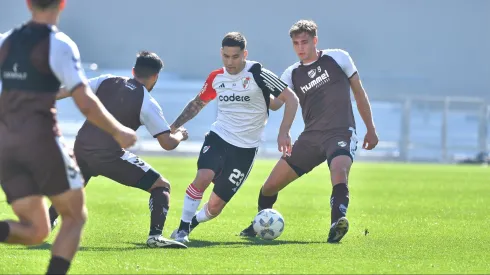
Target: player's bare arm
{"type": "Point", "coordinates": [364, 107]}
{"type": "Point", "coordinates": [170, 141]}
{"type": "Point", "coordinates": [189, 112]}
{"type": "Point", "coordinates": [90, 105]}
{"type": "Point", "coordinates": [284, 138]}
{"type": "Point", "coordinates": [275, 103]}
{"type": "Point", "coordinates": [62, 93]}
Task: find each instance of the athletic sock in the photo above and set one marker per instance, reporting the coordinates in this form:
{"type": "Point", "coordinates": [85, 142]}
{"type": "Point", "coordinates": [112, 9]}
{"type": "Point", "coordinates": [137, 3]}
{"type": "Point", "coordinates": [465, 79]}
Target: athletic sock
{"type": "Point", "coordinates": [4, 231]}
{"type": "Point", "coordinates": [192, 199]}
{"type": "Point", "coordinates": [266, 202]}
{"type": "Point", "coordinates": [58, 265]}
{"type": "Point", "coordinates": [339, 201]}
{"type": "Point", "coordinates": [159, 204]}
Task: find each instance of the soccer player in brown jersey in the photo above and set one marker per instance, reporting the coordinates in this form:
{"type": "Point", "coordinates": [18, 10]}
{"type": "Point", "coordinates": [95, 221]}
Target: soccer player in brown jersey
{"type": "Point", "coordinates": [97, 154]}
{"type": "Point", "coordinates": [35, 59]}
{"type": "Point", "coordinates": [322, 80]}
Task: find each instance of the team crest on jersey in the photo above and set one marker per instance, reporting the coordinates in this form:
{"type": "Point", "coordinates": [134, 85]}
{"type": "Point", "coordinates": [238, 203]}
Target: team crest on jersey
{"type": "Point", "coordinates": [312, 73]}
{"type": "Point", "coordinates": [205, 149]}
{"type": "Point", "coordinates": [245, 82]}
{"type": "Point", "coordinates": [342, 143]}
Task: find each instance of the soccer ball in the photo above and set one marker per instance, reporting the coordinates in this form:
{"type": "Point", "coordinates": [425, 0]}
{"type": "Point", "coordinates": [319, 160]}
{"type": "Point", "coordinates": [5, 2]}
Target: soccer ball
{"type": "Point", "coordinates": [268, 224]}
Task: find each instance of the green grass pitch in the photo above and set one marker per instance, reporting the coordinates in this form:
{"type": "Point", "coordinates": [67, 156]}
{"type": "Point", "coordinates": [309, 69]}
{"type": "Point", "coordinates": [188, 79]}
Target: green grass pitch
{"type": "Point", "coordinates": [420, 219]}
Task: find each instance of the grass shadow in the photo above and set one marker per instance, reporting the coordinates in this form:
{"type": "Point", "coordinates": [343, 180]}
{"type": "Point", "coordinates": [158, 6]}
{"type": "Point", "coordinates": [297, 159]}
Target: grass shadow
{"type": "Point", "coordinates": [247, 242]}
{"type": "Point", "coordinates": [48, 246]}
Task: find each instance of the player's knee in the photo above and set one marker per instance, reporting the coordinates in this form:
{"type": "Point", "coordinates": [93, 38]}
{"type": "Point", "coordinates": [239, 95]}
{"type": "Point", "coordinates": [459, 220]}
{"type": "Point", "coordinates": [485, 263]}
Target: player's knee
{"type": "Point", "coordinates": [83, 216]}
{"type": "Point", "coordinates": [161, 182]}
{"type": "Point", "coordinates": [339, 174]}
{"type": "Point", "coordinates": [39, 233]}
{"type": "Point", "coordinates": [75, 219]}
{"type": "Point", "coordinates": [203, 179]}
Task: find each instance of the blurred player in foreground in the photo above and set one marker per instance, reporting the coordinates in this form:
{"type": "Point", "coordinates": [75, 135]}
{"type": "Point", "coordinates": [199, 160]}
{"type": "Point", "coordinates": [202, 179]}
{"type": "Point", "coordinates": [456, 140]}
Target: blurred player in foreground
{"type": "Point", "coordinates": [34, 60]}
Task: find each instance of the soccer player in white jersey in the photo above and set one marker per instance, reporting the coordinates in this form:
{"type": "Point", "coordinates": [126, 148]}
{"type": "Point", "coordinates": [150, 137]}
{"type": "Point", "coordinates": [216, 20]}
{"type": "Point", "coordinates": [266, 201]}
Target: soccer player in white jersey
{"type": "Point", "coordinates": [245, 91]}
{"type": "Point", "coordinates": [35, 59]}
{"type": "Point", "coordinates": [322, 80]}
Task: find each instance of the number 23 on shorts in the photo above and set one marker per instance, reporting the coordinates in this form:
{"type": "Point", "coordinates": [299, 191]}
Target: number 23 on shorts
{"type": "Point", "coordinates": [236, 177]}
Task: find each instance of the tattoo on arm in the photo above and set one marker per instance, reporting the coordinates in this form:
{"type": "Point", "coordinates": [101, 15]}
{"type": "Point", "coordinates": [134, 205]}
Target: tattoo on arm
{"type": "Point", "coordinates": [189, 112]}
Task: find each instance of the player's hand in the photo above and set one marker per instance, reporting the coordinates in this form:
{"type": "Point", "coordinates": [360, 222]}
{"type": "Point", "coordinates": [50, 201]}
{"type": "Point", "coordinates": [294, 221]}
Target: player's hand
{"type": "Point", "coordinates": [284, 143]}
{"type": "Point", "coordinates": [185, 134]}
{"type": "Point", "coordinates": [126, 137]}
{"type": "Point", "coordinates": [370, 140]}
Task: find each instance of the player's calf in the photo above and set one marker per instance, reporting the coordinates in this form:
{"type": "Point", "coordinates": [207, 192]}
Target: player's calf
{"type": "Point", "coordinates": [192, 199]}
{"type": "Point", "coordinates": [32, 228]}
{"type": "Point", "coordinates": [209, 211]}
{"type": "Point", "coordinates": [339, 200]}
{"type": "Point", "coordinates": [71, 207]}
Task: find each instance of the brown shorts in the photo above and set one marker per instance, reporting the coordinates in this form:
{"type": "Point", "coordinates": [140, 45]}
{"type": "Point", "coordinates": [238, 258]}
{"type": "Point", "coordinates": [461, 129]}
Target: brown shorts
{"type": "Point", "coordinates": [123, 167]}
{"type": "Point", "coordinates": [313, 148]}
{"type": "Point", "coordinates": [43, 167]}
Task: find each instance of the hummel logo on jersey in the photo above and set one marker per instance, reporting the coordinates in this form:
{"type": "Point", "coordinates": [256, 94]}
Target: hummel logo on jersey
{"type": "Point", "coordinates": [317, 82]}
{"type": "Point", "coordinates": [233, 98]}
{"type": "Point", "coordinates": [222, 85]}
{"type": "Point", "coordinates": [205, 149]}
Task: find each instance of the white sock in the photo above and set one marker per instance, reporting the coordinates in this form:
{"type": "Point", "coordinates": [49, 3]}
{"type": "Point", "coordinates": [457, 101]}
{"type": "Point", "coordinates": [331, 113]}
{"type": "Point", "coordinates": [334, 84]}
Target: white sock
{"type": "Point", "coordinates": [203, 215]}
{"type": "Point", "coordinates": [192, 200]}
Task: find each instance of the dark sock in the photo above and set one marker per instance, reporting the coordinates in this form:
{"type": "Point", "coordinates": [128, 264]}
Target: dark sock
{"type": "Point", "coordinates": [4, 231]}
{"type": "Point", "coordinates": [159, 202]}
{"type": "Point", "coordinates": [184, 226]}
{"type": "Point", "coordinates": [194, 222]}
{"type": "Point", "coordinates": [265, 201]}
{"type": "Point", "coordinates": [339, 201]}
{"type": "Point", "coordinates": [58, 265]}
{"type": "Point", "coordinates": [53, 215]}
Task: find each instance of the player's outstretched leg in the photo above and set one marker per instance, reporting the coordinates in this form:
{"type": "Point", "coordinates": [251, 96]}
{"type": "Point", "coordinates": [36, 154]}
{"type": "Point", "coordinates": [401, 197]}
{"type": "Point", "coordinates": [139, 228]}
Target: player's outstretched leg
{"type": "Point", "coordinates": [32, 227]}
{"type": "Point", "coordinates": [192, 199]}
{"type": "Point", "coordinates": [209, 211]}
{"type": "Point", "coordinates": [339, 201]}
{"type": "Point", "coordinates": [71, 206]}
{"type": "Point", "coordinates": [159, 205]}
{"type": "Point", "coordinates": [280, 177]}
{"type": "Point", "coordinates": [53, 214]}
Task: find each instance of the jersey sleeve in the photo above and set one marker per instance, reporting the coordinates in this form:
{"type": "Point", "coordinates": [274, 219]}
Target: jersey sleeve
{"type": "Point", "coordinates": [286, 77]}
{"type": "Point", "coordinates": [2, 38]}
{"type": "Point", "coordinates": [267, 80]}
{"type": "Point", "coordinates": [344, 60]}
{"type": "Point", "coordinates": [151, 116]}
{"type": "Point", "coordinates": [208, 93]}
{"type": "Point", "coordinates": [95, 82]}
{"type": "Point", "coordinates": [64, 60]}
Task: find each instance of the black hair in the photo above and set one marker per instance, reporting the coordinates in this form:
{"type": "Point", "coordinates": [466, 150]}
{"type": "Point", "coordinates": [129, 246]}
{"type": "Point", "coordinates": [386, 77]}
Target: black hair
{"type": "Point", "coordinates": [234, 39]}
{"type": "Point", "coordinates": [147, 64]}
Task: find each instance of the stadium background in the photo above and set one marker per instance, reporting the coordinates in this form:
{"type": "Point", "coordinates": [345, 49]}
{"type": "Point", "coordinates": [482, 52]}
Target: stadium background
{"type": "Point", "coordinates": [423, 63]}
